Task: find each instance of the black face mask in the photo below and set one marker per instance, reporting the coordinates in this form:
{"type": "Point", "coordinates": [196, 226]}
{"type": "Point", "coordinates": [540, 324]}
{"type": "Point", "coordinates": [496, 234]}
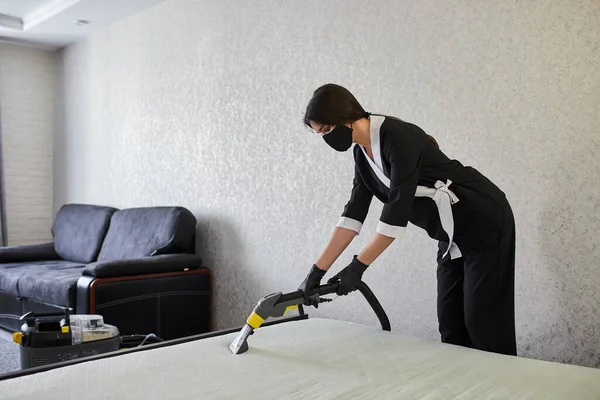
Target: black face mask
{"type": "Point", "coordinates": [340, 138]}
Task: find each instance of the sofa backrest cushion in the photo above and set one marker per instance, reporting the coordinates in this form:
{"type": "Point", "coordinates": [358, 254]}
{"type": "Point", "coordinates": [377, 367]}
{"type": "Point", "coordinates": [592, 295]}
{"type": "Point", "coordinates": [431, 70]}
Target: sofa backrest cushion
{"type": "Point", "coordinates": [147, 231]}
{"type": "Point", "coordinates": [79, 230]}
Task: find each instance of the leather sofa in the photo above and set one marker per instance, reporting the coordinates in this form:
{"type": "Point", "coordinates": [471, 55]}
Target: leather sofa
{"type": "Point", "coordinates": [136, 267]}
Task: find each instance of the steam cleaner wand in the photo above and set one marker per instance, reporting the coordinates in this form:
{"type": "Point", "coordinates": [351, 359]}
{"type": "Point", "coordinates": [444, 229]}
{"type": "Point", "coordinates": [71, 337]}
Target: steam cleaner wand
{"type": "Point", "coordinates": [277, 304]}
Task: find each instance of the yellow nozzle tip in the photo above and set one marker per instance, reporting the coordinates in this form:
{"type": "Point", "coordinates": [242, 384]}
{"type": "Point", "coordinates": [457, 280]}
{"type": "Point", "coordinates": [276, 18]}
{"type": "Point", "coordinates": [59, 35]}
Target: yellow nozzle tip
{"type": "Point", "coordinates": [18, 337]}
{"type": "Point", "coordinates": [288, 308]}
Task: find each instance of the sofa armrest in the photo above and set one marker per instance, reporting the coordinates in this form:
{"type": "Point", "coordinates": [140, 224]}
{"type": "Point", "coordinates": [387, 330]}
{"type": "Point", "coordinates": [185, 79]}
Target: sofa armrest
{"type": "Point", "coordinates": [143, 266]}
{"type": "Point", "coordinates": [35, 252]}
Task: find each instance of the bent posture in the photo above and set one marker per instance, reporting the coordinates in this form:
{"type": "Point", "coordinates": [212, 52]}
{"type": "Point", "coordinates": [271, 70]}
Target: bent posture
{"type": "Point", "coordinates": [469, 216]}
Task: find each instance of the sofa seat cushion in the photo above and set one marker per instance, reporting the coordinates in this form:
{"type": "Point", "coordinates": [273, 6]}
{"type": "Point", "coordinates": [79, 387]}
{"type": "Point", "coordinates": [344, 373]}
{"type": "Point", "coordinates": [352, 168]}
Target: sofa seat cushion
{"type": "Point", "coordinates": [10, 273]}
{"type": "Point", "coordinates": [52, 282]}
{"type": "Point", "coordinates": [148, 231]}
{"type": "Point", "coordinates": [79, 231]}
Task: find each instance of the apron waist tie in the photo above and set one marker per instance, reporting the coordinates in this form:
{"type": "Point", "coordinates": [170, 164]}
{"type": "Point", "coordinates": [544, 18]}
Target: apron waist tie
{"type": "Point", "coordinates": [444, 198]}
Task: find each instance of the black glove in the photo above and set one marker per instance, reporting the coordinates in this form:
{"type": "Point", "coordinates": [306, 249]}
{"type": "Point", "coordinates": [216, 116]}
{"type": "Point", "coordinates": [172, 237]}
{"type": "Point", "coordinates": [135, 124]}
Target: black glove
{"type": "Point", "coordinates": [312, 280]}
{"type": "Point", "coordinates": [350, 277]}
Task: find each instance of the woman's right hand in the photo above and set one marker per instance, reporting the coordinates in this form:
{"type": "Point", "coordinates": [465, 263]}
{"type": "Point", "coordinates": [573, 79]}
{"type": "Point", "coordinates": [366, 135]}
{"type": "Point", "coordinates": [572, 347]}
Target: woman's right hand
{"type": "Point", "coordinates": [312, 280]}
{"type": "Point", "coordinates": [340, 239]}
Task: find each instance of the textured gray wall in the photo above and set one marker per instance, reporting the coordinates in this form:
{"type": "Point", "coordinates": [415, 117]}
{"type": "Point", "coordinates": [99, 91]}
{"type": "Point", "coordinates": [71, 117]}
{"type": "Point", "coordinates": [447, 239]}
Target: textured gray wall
{"type": "Point", "coordinates": [27, 111]}
{"type": "Point", "coordinates": [199, 103]}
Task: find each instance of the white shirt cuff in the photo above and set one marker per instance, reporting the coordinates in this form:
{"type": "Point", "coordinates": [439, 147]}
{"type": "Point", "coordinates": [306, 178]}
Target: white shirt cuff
{"type": "Point", "coordinates": [350, 223]}
{"type": "Point", "coordinates": [392, 231]}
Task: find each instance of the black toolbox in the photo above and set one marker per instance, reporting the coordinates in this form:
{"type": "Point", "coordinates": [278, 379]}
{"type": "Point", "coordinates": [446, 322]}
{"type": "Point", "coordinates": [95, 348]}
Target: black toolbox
{"type": "Point", "coordinates": [50, 338]}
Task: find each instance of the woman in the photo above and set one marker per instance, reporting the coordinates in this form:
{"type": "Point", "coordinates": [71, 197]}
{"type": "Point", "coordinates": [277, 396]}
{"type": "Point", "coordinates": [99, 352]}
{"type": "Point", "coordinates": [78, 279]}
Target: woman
{"type": "Point", "coordinates": [403, 167]}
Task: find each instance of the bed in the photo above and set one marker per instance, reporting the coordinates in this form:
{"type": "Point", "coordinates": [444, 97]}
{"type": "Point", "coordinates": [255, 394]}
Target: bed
{"type": "Point", "coordinates": [310, 359]}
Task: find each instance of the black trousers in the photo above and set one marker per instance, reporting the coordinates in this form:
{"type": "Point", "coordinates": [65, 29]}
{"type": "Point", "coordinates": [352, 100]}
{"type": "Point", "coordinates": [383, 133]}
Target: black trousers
{"type": "Point", "coordinates": [475, 303]}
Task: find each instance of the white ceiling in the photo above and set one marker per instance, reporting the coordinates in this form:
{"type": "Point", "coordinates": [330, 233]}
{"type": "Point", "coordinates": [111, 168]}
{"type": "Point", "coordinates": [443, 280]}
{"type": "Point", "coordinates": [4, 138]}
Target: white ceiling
{"type": "Point", "coordinates": [49, 24]}
{"type": "Point", "coordinates": [20, 8]}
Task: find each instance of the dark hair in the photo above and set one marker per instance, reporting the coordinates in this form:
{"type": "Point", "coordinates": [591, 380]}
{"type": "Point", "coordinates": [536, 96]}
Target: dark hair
{"type": "Point", "coordinates": [332, 104]}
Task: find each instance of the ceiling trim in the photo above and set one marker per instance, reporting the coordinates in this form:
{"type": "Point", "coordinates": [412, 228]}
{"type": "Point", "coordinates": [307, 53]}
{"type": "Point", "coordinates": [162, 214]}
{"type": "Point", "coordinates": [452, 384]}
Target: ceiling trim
{"type": "Point", "coordinates": [48, 11]}
{"type": "Point", "coordinates": [7, 21]}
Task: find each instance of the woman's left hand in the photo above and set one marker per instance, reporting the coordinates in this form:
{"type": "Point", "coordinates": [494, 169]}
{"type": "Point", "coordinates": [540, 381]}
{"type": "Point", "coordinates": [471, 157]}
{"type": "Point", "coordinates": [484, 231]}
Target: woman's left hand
{"type": "Point", "coordinates": [349, 277]}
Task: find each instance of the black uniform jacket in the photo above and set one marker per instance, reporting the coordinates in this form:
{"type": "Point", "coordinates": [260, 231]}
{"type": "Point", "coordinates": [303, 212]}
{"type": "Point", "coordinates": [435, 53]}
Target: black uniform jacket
{"type": "Point", "coordinates": [418, 183]}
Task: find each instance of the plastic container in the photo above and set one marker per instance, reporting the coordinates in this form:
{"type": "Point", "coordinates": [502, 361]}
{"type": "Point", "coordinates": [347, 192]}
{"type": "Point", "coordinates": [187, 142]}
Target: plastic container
{"type": "Point", "coordinates": [87, 328]}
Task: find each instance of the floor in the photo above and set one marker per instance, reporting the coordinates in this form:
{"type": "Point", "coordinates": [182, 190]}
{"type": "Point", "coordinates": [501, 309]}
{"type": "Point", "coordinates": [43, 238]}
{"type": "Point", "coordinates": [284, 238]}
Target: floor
{"type": "Point", "coordinates": [9, 354]}
{"type": "Point", "coordinates": [6, 335]}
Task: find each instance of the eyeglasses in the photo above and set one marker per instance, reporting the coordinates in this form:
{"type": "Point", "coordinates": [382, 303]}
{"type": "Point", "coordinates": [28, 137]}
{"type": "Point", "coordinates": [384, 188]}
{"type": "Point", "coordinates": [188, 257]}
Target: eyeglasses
{"type": "Point", "coordinates": [322, 131]}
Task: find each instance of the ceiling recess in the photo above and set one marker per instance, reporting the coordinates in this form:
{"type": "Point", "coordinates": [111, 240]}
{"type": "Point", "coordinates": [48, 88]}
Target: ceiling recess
{"type": "Point", "coordinates": [53, 24]}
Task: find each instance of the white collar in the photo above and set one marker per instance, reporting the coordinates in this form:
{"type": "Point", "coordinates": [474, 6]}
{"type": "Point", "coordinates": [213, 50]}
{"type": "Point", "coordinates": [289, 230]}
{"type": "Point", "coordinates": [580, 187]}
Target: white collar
{"type": "Point", "coordinates": [376, 164]}
{"type": "Point", "coordinates": [376, 122]}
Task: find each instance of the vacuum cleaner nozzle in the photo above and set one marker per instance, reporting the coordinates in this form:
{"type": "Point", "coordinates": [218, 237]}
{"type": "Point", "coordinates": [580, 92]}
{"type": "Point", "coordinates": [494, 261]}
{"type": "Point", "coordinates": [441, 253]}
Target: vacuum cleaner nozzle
{"type": "Point", "coordinates": [277, 304]}
{"type": "Point", "coordinates": [272, 306]}
{"type": "Point", "coordinates": [240, 343]}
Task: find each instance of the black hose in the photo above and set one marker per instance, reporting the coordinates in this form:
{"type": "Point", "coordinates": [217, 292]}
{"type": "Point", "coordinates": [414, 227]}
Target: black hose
{"type": "Point", "coordinates": [376, 306]}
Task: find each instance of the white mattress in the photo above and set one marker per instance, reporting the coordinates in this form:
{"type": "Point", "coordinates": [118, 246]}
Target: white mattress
{"type": "Point", "coordinates": [311, 359]}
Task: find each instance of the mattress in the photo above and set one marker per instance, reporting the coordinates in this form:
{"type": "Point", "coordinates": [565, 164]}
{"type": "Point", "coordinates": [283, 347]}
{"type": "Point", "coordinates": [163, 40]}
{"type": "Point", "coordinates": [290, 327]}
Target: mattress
{"type": "Point", "coordinates": [310, 359]}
